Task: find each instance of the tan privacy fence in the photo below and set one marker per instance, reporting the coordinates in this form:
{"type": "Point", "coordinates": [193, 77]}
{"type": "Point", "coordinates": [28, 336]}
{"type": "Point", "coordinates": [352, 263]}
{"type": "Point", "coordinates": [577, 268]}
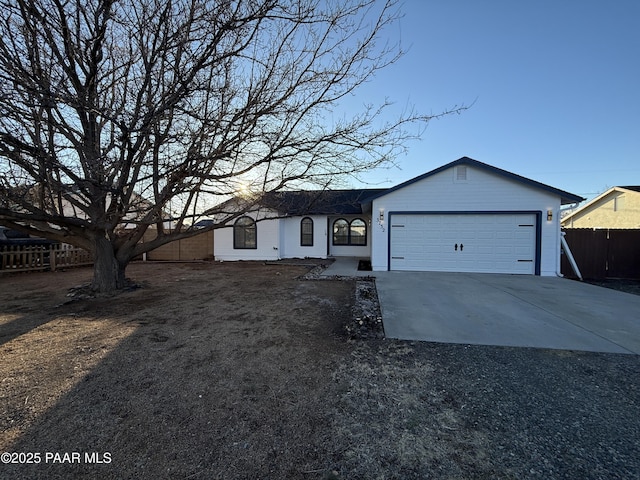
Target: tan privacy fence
{"type": "Point", "coordinates": [30, 258]}
{"type": "Point", "coordinates": [199, 247]}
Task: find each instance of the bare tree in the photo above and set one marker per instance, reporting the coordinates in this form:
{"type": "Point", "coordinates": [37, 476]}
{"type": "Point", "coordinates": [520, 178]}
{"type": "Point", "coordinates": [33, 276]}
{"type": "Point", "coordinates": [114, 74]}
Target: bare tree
{"type": "Point", "coordinates": [141, 112]}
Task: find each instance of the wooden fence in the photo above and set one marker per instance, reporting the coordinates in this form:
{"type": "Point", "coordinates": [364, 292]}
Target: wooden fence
{"type": "Point", "coordinates": [603, 253]}
{"type": "Point", "coordinates": [19, 258]}
{"type": "Point", "coordinates": [199, 247]}
{"type": "Point", "coordinates": [40, 258]}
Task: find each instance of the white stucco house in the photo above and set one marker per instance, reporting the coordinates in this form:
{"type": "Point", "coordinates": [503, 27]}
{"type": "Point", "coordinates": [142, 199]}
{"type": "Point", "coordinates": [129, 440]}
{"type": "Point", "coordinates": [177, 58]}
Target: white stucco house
{"type": "Point", "coordinates": [465, 216]}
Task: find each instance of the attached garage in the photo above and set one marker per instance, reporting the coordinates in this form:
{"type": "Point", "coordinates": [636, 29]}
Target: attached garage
{"type": "Point", "coordinates": [504, 242]}
{"type": "Point", "coordinates": [468, 216]}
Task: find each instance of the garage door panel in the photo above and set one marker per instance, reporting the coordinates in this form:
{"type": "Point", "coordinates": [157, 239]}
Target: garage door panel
{"type": "Point", "coordinates": [524, 235]}
{"type": "Point", "coordinates": [500, 243]}
{"type": "Point", "coordinates": [524, 252]}
{"type": "Point", "coordinates": [485, 235]}
{"type": "Point", "coordinates": [503, 250]}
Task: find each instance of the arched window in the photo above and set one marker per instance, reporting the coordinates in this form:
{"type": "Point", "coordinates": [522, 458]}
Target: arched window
{"type": "Point", "coordinates": [350, 233]}
{"type": "Point", "coordinates": [341, 232]}
{"type": "Point", "coordinates": [244, 233]}
{"type": "Point", "coordinates": [358, 232]}
{"type": "Point", "coordinates": [306, 232]}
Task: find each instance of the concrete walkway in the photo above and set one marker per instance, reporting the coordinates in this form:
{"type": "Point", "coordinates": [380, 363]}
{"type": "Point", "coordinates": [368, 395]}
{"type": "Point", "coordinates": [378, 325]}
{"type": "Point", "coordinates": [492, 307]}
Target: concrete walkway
{"type": "Point", "coordinates": [508, 310]}
{"type": "Point", "coordinates": [345, 267]}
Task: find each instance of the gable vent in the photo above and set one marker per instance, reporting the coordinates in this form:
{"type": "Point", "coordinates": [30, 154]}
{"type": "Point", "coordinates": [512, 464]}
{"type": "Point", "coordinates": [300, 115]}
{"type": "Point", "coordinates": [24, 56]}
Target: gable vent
{"type": "Point", "coordinates": [461, 173]}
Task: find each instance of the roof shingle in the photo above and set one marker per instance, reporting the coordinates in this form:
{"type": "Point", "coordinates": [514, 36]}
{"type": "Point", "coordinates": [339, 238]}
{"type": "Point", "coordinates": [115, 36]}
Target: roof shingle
{"type": "Point", "coordinates": [319, 202]}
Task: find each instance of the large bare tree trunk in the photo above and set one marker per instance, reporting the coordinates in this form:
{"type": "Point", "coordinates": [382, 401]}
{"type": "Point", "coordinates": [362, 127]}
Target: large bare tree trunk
{"type": "Point", "coordinates": [109, 272]}
{"type": "Point", "coordinates": [143, 112]}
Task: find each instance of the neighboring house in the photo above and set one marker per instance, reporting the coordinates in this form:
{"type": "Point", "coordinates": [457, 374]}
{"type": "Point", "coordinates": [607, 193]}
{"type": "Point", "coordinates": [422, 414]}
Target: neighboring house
{"type": "Point", "coordinates": [618, 207]}
{"type": "Point", "coordinates": [465, 216]}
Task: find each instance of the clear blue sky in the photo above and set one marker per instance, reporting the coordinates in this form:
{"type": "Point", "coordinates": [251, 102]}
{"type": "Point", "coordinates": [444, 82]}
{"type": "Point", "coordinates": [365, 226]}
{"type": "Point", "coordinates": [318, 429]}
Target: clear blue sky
{"type": "Point", "coordinates": [556, 86]}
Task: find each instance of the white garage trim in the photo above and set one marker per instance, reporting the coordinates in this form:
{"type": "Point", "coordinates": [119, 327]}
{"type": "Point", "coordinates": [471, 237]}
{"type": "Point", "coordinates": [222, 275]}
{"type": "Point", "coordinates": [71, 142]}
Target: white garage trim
{"type": "Point", "coordinates": [470, 227]}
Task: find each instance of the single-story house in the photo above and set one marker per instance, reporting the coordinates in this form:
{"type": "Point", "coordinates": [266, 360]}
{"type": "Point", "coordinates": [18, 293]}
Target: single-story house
{"type": "Point", "coordinates": [465, 216]}
{"type": "Point", "coordinates": [295, 224]}
{"type": "Point", "coordinates": [618, 207]}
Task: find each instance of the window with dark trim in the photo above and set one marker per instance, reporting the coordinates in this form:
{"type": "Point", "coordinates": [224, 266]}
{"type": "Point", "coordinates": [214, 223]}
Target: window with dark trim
{"type": "Point", "coordinates": [350, 233]}
{"type": "Point", "coordinates": [358, 232]}
{"type": "Point", "coordinates": [341, 232]}
{"type": "Point", "coordinates": [244, 233]}
{"type": "Point", "coordinates": [306, 232]}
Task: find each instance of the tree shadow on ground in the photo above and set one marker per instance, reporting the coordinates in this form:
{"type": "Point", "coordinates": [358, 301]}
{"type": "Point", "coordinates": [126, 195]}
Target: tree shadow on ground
{"type": "Point", "coordinates": [199, 386]}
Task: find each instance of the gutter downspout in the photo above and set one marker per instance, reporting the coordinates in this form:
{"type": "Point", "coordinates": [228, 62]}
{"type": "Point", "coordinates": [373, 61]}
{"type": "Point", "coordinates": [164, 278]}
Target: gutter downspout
{"type": "Point", "coordinates": [567, 251]}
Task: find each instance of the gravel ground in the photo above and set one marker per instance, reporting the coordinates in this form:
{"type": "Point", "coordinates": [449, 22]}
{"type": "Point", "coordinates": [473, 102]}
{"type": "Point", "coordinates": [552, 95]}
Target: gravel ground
{"type": "Point", "coordinates": [624, 285]}
{"type": "Point", "coordinates": [425, 410]}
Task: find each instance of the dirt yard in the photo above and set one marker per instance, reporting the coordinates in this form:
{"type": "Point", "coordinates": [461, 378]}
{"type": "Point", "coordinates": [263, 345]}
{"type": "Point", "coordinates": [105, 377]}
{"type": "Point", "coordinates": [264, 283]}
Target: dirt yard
{"type": "Point", "coordinates": [248, 371]}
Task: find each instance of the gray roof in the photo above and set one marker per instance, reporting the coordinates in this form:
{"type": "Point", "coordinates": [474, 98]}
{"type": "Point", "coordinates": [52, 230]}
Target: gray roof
{"type": "Point", "coordinates": [320, 202]}
{"type": "Point", "coordinates": [565, 197]}
{"type": "Point", "coordinates": [358, 201]}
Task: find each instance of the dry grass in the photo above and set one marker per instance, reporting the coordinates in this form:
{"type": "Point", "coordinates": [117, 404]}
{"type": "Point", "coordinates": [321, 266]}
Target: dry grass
{"type": "Point", "coordinates": [245, 371]}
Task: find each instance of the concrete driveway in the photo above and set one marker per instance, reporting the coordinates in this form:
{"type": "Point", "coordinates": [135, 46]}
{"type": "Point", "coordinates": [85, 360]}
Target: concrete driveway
{"type": "Point", "coordinates": [508, 310]}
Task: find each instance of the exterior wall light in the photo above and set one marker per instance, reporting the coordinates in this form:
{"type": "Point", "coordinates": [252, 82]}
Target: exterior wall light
{"type": "Point", "coordinates": [381, 216]}
{"type": "Point", "coordinates": [549, 215]}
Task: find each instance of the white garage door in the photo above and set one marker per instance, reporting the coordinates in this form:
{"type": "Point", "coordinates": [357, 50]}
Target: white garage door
{"type": "Point", "coordinates": [484, 243]}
